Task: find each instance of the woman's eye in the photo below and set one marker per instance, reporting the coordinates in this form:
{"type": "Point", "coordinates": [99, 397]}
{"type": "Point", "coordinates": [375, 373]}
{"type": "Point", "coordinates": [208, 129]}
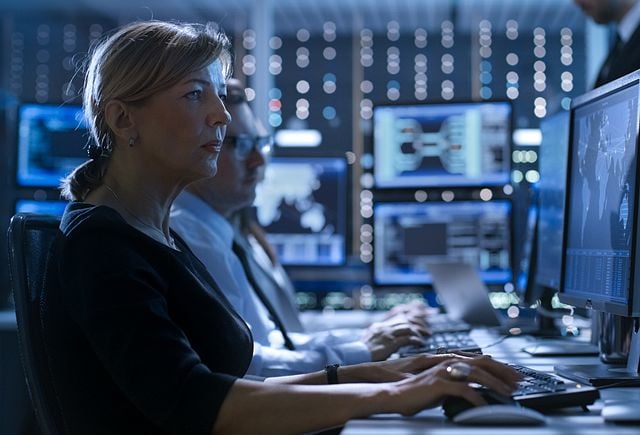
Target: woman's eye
{"type": "Point", "coordinates": [194, 95]}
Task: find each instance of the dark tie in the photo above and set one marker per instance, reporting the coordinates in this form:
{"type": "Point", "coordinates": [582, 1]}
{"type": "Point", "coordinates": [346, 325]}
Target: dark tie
{"type": "Point", "coordinates": [242, 256]}
{"type": "Point", "coordinates": [604, 76]}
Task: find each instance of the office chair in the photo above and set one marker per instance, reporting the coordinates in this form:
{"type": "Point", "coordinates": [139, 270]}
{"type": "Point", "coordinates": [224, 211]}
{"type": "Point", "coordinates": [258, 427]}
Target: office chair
{"type": "Point", "coordinates": [30, 241]}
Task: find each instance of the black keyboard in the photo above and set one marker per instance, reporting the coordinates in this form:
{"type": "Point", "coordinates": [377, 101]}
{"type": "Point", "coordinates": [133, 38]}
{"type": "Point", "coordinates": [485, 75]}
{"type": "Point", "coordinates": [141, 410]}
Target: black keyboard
{"type": "Point", "coordinates": [543, 391]}
{"type": "Point", "coordinates": [440, 324]}
{"type": "Point", "coordinates": [538, 390]}
{"type": "Point", "coordinates": [443, 343]}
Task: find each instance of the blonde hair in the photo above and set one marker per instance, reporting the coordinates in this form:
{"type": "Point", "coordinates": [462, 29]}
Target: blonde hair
{"type": "Point", "coordinates": [131, 65]}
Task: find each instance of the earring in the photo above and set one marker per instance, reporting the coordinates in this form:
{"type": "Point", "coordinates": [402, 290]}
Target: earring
{"type": "Point", "coordinates": [132, 140]}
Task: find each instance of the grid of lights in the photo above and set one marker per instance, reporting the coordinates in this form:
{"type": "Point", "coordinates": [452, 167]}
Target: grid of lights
{"type": "Point", "coordinates": [17, 63]}
{"type": "Point", "coordinates": [484, 40]}
{"type": "Point", "coordinates": [393, 90]}
{"type": "Point", "coordinates": [366, 246]}
{"type": "Point", "coordinates": [366, 108]}
{"type": "Point", "coordinates": [520, 156]}
{"type": "Point", "coordinates": [393, 31]}
{"type": "Point", "coordinates": [69, 45]}
{"type": "Point", "coordinates": [539, 76]}
{"type": "Point", "coordinates": [42, 69]}
{"type": "Point", "coordinates": [566, 58]}
{"type": "Point", "coordinates": [249, 60]}
{"type": "Point", "coordinates": [366, 48]}
{"type": "Point", "coordinates": [420, 79]}
{"type": "Point", "coordinates": [393, 60]}
{"type": "Point", "coordinates": [275, 107]}
{"type": "Point", "coordinates": [447, 88]}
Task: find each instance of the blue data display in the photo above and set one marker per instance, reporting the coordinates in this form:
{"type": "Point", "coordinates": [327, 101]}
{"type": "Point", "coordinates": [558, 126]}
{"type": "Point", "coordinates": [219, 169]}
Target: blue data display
{"type": "Point", "coordinates": [600, 222]}
{"type": "Point", "coordinates": [50, 143]}
{"type": "Point", "coordinates": [302, 204]}
{"type": "Point", "coordinates": [410, 236]}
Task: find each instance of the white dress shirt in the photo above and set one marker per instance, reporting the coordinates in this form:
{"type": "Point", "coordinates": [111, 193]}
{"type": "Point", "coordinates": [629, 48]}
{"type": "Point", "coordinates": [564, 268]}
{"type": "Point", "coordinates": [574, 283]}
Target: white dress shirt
{"type": "Point", "coordinates": [210, 237]}
{"type": "Point", "coordinates": [629, 23]}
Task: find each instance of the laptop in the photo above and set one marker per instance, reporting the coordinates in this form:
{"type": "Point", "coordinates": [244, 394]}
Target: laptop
{"type": "Point", "coordinates": [463, 294]}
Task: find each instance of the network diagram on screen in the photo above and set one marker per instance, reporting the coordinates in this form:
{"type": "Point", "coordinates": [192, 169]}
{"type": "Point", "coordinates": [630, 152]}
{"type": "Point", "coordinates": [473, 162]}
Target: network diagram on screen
{"type": "Point", "coordinates": [442, 144]}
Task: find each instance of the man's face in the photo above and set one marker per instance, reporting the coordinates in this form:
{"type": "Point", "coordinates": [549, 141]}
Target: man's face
{"type": "Point", "coordinates": [604, 11]}
{"type": "Point", "coordinates": [239, 167]}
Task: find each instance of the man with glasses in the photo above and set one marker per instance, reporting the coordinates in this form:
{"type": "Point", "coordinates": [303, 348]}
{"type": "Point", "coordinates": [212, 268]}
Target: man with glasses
{"type": "Point", "coordinates": [203, 215]}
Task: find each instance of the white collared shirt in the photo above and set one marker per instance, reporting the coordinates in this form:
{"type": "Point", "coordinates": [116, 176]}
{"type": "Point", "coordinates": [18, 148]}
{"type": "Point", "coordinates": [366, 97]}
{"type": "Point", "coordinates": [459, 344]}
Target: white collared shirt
{"type": "Point", "coordinates": [629, 23]}
{"type": "Point", "coordinates": [210, 237]}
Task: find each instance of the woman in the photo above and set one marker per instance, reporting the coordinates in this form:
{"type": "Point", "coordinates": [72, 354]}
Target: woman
{"type": "Point", "coordinates": [140, 340]}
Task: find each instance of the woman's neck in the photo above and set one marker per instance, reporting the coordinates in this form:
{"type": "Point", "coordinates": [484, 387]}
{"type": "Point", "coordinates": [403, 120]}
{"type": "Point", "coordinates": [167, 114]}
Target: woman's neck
{"type": "Point", "coordinates": [143, 203]}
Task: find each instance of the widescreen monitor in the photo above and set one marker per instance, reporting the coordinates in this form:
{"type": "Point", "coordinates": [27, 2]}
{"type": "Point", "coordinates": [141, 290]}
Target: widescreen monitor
{"type": "Point", "coordinates": [452, 144]}
{"type": "Point", "coordinates": [51, 141]}
{"type": "Point", "coordinates": [302, 204]}
{"type": "Point", "coordinates": [410, 236]}
{"type": "Point", "coordinates": [551, 199]}
{"type": "Point", "coordinates": [601, 222]}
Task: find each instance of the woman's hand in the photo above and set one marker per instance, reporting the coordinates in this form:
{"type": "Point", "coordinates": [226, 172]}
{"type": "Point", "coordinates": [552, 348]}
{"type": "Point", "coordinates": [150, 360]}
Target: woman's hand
{"type": "Point", "coordinates": [397, 369]}
{"type": "Point", "coordinates": [428, 388]}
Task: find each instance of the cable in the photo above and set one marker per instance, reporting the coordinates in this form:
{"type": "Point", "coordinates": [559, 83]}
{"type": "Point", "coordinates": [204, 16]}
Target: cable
{"type": "Point", "coordinates": [627, 383]}
{"type": "Point", "coordinates": [498, 341]}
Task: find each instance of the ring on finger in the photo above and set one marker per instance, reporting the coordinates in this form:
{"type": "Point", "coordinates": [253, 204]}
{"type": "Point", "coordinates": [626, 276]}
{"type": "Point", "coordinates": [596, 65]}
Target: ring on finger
{"type": "Point", "coordinates": [459, 371]}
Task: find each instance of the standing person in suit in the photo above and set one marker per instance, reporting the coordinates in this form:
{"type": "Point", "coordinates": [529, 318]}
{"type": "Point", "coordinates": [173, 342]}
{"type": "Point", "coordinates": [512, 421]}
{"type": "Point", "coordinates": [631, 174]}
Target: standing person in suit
{"type": "Point", "coordinates": [624, 56]}
{"type": "Point", "coordinates": [202, 215]}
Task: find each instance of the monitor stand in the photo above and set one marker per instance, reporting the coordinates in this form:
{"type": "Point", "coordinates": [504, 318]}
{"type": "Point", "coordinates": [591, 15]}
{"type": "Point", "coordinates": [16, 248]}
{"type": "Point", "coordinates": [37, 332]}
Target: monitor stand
{"type": "Point", "coordinates": [554, 340]}
{"type": "Point", "coordinates": [601, 374]}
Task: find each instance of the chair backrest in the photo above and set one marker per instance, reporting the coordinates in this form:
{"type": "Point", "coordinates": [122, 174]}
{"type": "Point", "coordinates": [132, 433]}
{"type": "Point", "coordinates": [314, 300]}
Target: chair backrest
{"type": "Point", "coordinates": [30, 248]}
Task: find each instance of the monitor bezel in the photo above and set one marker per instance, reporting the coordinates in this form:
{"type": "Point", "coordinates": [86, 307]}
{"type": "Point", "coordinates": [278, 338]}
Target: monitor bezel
{"type": "Point", "coordinates": [566, 115]}
{"type": "Point", "coordinates": [428, 284]}
{"type": "Point", "coordinates": [632, 307]}
{"type": "Point", "coordinates": [376, 183]}
{"type": "Point", "coordinates": [18, 144]}
{"type": "Point", "coordinates": [344, 207]}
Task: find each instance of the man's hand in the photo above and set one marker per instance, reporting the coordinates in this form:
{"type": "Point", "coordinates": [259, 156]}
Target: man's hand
{"type": "Point", "coordinates": [384, 338]}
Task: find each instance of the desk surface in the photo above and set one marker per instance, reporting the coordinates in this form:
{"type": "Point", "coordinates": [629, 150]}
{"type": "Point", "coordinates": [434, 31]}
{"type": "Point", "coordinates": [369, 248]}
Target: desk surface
{"type": "Point", "coordinates": [565, 421]}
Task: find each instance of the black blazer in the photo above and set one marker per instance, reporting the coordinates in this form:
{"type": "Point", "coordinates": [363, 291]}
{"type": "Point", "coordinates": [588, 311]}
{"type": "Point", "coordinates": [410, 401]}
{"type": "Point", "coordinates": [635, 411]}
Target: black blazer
{"type": "Point", "coordinates": [628, 60]}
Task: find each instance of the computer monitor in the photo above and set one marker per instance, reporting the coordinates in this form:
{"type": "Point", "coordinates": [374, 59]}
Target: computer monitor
{"type": "Point", "coordinates": [601, 215]}
{"type": "Point", "coordinates": [449, 144]}
{"type": "Point", "coordinates": [601, 261]}
{"type": "Point", "coordinates": [551, 199]}
{"type": "Point", "coordinates": [410, 236]}
{"type": "Point", "coordinates": [54, 208]}
{"type": "Point", "coordinates": [302, 204]}
{"type": "Point", "coordinates": [51, 141]}
{"type": "Point", "coordinates": [527, 257]}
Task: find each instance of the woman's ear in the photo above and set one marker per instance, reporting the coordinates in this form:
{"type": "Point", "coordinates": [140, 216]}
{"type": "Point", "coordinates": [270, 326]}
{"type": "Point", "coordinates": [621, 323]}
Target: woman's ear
{"type": "Point", "coordinates": [120, 120]}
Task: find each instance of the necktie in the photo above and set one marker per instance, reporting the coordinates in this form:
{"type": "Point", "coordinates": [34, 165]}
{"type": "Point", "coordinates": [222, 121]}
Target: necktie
{"type": "Point", "coordinates": [242, 256]}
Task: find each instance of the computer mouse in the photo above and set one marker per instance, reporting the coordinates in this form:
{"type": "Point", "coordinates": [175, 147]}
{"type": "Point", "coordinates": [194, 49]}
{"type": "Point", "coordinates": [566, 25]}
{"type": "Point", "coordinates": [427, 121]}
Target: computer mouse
{"type": "Point", "coordinates": [618, 411]}
{"type": "Point", "coordinates": [452, 405]}
{"type": "Point", "coordinates": [508, 415]}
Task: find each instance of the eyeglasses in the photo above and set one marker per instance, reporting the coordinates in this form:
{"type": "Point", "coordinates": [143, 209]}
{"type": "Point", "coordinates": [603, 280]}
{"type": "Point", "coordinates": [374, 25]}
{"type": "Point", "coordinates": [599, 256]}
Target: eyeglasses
{"type": "Point", "coordinates": [244, 144]}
